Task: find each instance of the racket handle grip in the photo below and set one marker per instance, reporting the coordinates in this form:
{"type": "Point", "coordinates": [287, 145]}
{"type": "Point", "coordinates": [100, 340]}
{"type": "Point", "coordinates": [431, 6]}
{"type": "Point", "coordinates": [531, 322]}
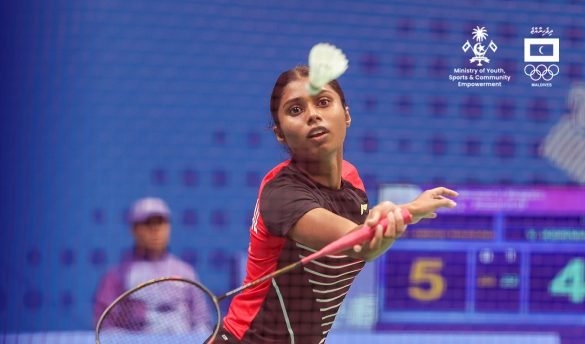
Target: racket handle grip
{"type": "Point", "coordinates": [406, 217]}
{"type": "Point", "coordinates": [365, 233]}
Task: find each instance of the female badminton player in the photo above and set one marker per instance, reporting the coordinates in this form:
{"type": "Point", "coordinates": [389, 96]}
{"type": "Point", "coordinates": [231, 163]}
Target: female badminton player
{"type": "Point", "coordinates": [303, 204]}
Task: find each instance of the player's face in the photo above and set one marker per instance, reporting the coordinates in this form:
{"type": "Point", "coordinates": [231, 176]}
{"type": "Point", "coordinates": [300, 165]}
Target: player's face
{"type": "Point", "coordinates": [311, 126]}
{"type": "Point", "coordinates": [153, 234]}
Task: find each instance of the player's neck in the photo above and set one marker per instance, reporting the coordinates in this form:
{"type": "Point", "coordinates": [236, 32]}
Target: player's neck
{"type": "Point", "coordinates": [326, 172]}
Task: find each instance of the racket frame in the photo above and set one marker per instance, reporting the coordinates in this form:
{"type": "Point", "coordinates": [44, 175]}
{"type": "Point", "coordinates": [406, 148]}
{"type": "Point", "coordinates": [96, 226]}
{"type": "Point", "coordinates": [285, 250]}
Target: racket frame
{"type": "Point", "coordinates": [203, 288]}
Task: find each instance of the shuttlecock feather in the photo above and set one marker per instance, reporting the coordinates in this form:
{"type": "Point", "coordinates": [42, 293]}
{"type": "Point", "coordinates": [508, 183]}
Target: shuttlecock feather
{"type": "Point", "coordinates": [326, 63]}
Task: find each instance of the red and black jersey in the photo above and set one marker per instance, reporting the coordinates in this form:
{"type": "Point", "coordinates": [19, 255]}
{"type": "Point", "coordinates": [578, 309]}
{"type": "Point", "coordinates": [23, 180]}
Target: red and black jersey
{"type": "Point", "coordinates": [299, 306]}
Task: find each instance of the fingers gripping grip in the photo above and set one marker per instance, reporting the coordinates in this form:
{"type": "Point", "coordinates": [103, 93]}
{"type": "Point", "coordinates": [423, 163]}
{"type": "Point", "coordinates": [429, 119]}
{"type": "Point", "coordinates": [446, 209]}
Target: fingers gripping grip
{"type": "Point", "coordinates": [356, 237]}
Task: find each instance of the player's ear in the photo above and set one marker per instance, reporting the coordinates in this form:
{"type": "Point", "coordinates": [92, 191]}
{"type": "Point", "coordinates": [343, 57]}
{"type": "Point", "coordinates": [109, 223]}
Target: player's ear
{"type": "Point", "coordinates": [347, 117]}
{"type": "Point", "coordinates": [279, 134]}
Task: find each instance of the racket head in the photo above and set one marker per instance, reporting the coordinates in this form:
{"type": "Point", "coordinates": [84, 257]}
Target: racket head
{"type": "Point", "coordinates": [162, 310]}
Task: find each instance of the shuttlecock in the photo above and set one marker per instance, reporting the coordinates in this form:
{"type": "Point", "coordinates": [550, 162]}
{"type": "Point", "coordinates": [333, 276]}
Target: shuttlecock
{"type": "Point", "coordinates": [326, 63]}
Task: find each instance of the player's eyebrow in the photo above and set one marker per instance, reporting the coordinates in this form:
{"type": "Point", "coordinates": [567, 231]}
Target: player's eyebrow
{"type": "Point", "coordinates": [293, 100]}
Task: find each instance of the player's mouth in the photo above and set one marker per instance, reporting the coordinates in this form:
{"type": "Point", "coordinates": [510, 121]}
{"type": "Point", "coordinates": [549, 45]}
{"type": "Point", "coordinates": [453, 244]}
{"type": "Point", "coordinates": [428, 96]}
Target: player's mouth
{"type": "Point", "coordinates": [317, 132]}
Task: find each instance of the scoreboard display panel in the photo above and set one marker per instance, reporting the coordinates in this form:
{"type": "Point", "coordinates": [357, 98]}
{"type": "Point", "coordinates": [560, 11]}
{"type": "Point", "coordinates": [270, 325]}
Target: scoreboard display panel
{"type": "Point", "coordinates": [512, 256]}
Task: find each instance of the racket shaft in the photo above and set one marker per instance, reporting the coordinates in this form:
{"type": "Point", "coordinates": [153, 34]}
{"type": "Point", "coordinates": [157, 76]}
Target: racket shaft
{"type": "Point", "coordinates": [260, 280]}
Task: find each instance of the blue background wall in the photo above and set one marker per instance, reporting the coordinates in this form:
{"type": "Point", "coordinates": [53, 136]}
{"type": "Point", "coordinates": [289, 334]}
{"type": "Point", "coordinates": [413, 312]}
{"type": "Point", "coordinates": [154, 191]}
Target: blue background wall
{"type": "Point", "coordinates": [107, 101]}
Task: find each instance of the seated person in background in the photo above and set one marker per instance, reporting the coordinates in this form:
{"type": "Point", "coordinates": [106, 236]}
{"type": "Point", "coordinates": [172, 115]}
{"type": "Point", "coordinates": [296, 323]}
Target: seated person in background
{"type": "Point", "coordinates": [149, 218]}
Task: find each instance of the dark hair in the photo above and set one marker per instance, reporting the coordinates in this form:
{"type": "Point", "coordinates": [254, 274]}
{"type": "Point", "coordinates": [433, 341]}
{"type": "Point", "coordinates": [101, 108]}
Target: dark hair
{"type": "Point", "coordinates": [288, 76]}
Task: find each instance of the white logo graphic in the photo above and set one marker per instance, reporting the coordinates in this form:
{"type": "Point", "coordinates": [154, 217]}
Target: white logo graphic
{"type": "Point", "coordinates": [541, 71]}
{"type": "Point", "coordinates": [541, 55]}
{"type": "Point", "coordinates": [363, 208]}
{"type": "Point", "coordinates": [538, 29]}
{"type": "Point", "coordinates": [255, 217]}
{"type": "Point", "coordinates": [541, 50]}
{"type": "Point", "coordinates": [479, 76]}
{"type": "Point", "coordinates": [479, 50]}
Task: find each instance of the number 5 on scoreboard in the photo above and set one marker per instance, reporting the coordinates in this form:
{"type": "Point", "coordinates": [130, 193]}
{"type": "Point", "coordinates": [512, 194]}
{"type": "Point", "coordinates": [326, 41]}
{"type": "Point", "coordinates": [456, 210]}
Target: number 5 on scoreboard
{"type": "Point", "coordinates": [427, 283]}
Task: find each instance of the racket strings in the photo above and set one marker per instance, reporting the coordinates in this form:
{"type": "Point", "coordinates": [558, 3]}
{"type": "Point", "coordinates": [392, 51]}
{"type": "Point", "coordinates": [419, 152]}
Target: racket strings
{"type": "Point", "coordinates": [168, 311]}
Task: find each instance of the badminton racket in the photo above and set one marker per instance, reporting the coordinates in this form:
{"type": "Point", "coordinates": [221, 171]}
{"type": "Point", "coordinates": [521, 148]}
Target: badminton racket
{"type": "Point", "coordinates": [144, 315]}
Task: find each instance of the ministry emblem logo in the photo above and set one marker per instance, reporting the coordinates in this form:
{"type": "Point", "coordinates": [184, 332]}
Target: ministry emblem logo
{"type": "Point", "coordinates": [479, 50]}
{"type": "Point", "coordinates": [478, 75]}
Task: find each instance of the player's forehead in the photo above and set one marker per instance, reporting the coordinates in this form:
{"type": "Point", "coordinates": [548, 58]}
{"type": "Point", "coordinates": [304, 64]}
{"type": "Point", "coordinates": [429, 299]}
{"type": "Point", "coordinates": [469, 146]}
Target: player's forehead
{"type": "Point", "coordinates": [298, 89]}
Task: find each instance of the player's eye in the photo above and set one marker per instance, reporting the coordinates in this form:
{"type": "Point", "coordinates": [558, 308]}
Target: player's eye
{"type": "Point", "coordinates": [324, 102]}
{"type": "Point", "coordinates": [295, 110]}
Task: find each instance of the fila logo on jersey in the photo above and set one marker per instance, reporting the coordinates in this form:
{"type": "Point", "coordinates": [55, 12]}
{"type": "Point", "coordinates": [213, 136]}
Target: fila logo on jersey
{"type": "Point", "coordinates": [363, 208]}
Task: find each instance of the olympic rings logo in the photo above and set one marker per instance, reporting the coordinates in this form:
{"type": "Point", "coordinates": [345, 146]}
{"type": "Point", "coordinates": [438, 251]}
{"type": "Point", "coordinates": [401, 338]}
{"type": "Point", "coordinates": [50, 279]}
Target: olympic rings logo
{"type": "Point", "coordinates": [541, 71]}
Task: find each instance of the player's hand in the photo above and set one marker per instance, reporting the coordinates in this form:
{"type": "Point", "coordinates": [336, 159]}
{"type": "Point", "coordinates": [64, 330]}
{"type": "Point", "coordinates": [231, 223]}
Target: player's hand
{"type": "Point", "coordinates": [427, 203]}
{"type": "Point", "coordinates": [394, 228]}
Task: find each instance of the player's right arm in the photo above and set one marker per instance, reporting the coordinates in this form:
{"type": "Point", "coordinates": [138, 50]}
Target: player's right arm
{"type": "Point", "coordinates": [318, 227]}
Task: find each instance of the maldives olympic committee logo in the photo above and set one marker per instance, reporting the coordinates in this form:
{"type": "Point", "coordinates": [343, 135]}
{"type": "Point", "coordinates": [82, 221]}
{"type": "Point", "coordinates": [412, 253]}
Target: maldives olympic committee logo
{"type": "Point", "coordinates": [541, 55]}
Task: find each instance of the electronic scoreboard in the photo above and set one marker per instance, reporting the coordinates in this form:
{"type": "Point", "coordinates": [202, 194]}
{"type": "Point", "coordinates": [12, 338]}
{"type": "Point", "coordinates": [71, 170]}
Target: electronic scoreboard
{"type": "Point", "coordinates": [511, 256]}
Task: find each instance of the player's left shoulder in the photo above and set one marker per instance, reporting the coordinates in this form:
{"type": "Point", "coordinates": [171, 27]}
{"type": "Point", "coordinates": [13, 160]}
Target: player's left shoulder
{"type": "Point", "coordinates": [350, 173]}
